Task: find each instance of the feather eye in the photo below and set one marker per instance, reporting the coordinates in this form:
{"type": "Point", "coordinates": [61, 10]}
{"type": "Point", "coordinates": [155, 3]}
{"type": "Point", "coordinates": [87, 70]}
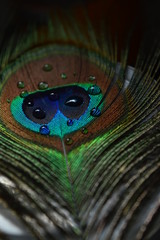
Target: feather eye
{"type": "Point", "coordinates": [79, 140]}
{"type": "Point", "coordinates": [34, 105]}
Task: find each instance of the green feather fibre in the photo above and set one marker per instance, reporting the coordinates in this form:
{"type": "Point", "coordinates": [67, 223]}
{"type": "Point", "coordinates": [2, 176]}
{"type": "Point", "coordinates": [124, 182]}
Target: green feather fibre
{"type": "Point", "coordinates": [104, 188]}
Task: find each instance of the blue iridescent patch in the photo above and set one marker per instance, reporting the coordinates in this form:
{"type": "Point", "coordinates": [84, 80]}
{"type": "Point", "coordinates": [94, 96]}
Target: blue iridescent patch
{"type": "Point", "coordinates": [48, 111]}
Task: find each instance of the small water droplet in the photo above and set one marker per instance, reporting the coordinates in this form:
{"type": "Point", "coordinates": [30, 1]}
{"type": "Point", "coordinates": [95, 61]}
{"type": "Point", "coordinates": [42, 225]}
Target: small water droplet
{"type": "Point", "coordinates": [8, 100]}
{"type": "Point", "coordinates": [63, 76]}
{"type": "Point", "coordinates": [23, 94]}
{"type": "Point", "coordinates": [84, 130]}
{"type": "Point", "coordinates": [70, 122]}
{"type": "Point", "coordinates": [47, 67]}
{"type": "Point", "coordinates": [44, 130]}
{"type": "Point", "coordinates": [95, 112]}
{"type": "Point", "coordinates": [39, 113]}
{"type": "Point", "coordinates": [30, 103]}
{"type": "Point", "coordinates": [20, 84]}
{"type": "Point", "coordinates": [92, 78]}
{"type": "Point", "coordinates": [43, 85]}
{"type": "Point", "coordinates": [69, 141]}
{"type": "Point", "coordinates": [74, 101]}
{"type": "Point", "coordinates": [53, 96]}
{"type": "Point", "coordinates": [94, 90]}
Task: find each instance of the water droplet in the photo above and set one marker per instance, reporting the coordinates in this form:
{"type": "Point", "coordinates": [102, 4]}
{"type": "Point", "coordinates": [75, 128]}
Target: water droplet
{"type": "Point", "coordinates": [74, 101]}
{"type": "Point", "coordinates": [30, 103]}
{"type": "Point", "coordinates": [84, 130]}
{"type": "Point", "coordinates": [95, 112]}
{"type": "Point", "coordinates": [94, 90]}
{"type": "Point", "coordinates": [44, 130]}
{"type": "Point", "coordinates": [47, 67]}
{"type": "Point", "coordinates": [23, 94]}
{"type": "Point", "coordinates": [8, 100]}
{"type": "Point", "coordinates": [53, 96]}
{"type": "Point", "coordinates": [63, 76]}
{"type": "Point", "coordinates": [70, 122]}
{"type": "Point", "coordinates": [92, 78]}
{"type": "Point", "coordinates": [43, 85]}
{"type": "Point", "coordinates": [20, 84]}
{"type": "Point", "coordinates": [69, 141]}
{"type": "Point", "coordinates": [39, 113]}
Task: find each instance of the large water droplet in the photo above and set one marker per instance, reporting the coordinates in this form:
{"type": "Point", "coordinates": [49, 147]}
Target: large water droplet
{"type": "Point", "coordinates": [70, 122]}
{"type": "Point", "coordinates": [74, 101]}
{"type": "Point", "coordinates": [43, 85]}
{"type": "Point", "coordinates": [39, 113]}
{"type": "Point", "coordinates": [44, 130]}
{"type": "Point", "coordinates": [95, 112]}
{"type": "Point", "coordinates": [47, 67]}
{"type": "Point", "coordinates": [69, 141]}
{"type": "Point", "coordinates": [94, 90]}
{"type": "Point", "coordinates": [20, 84]}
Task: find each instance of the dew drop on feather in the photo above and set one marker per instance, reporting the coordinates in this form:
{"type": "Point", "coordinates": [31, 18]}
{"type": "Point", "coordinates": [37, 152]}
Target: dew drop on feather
{"type": "Point", "coordinates": [53, 96]}
{"type": "Point", "coordinates": [23, 94]}
{"type": "Point", "coordinates": [44, 130]}
{"type": "Point", "coordinates": [95, 112]}
{"type": "Point", "coordinates": [20, 84]}
{"type": "Point", "coordinates": [43, 85]}
{"type": "Point", "coordinates": [30, 103]}
{"type": "Point", "coordinates": [63, 76]}
{"type": "Point", "coordinates": [91, 78]}
{"type": "Point", "coordinates": [84, 130]}
{"type": "Point", "coordinates": [94, 90]}
{"type": "Point", "coordinates": [47, 67]}
{"type": "Point", "coordinates": [69, 141]}
{"type": "Point", "coordinates": [70, 122]}
{"type": "Point", "coordinates": [39, 113]}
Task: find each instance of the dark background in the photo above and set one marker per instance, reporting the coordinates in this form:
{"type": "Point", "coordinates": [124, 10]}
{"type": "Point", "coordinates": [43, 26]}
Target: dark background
{"type": "Point", "coordinates": [141, 17]}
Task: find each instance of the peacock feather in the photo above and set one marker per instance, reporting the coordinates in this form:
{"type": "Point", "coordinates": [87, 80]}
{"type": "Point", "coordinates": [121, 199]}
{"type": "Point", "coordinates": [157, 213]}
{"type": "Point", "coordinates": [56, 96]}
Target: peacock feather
{"type": "Point", "coordinates": [79, 133]}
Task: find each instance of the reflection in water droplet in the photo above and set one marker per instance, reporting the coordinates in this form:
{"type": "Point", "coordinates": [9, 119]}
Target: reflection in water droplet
{"type": "Point", "coordinates": [20, 84]}
{"type": "Point", "coordinates": [47, 67]}
{"type": "Point", "coordinates": [74, 101]}
{"type": "Point", "coordinates": [39, 113]}
{"type": "Point", "coordinates": [70, 122]}
{"type": "Point", "coordinates": [94, 90]}
{"type": "Point", "coordinates": [63, 76]}
{"type": "Point", "coordinates": [95, 112]}
{"type": "Point", "coordinates": [43, 85]}
{"type": "Point", "coordinates": [8, 100]}
{"type": "Point", "coordinates": [44, 130]}
{"type": "Point", "coordinates": [92, 78]}
{"type": "Point", "coordinates": [84, 130]}
{"type": "Point", "coordinates": [53, 96]}
{"type": "Point", "coordinates": [69, 141]}
{"type": "Point", "coordinates": [23, 94]}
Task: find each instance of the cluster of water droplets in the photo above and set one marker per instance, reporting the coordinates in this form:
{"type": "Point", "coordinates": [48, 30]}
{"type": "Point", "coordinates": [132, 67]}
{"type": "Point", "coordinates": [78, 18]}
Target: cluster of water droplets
{"type": "Point", "coordinates": [53, 95]}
